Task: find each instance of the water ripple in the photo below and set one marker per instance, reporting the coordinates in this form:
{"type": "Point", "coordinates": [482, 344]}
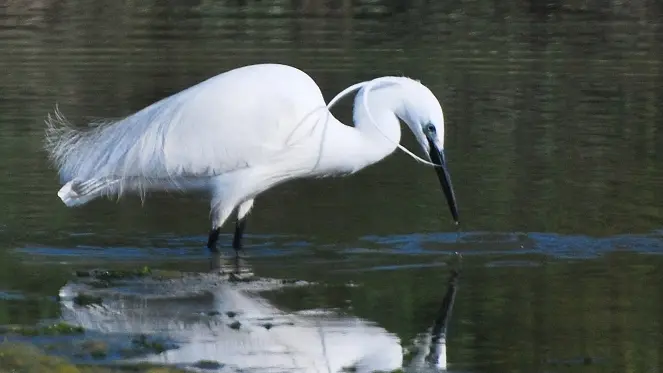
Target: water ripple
{"type": "Point", "coordinates": [415, 245]}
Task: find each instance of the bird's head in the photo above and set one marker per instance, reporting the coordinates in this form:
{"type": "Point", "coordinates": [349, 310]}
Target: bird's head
{"type": "Point", "coordinates": [422, 113]}
{"type": "Point", "coordinates": [418, 107]}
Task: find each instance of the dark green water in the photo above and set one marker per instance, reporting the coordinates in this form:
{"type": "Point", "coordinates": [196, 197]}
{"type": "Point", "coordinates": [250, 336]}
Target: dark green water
{"type": "Point", "coordinates": [554, 132]}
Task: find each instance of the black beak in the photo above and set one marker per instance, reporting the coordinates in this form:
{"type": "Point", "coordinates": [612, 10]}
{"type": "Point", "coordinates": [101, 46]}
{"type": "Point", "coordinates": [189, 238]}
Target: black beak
{"type": "Point", "coordinates": [437, 157]}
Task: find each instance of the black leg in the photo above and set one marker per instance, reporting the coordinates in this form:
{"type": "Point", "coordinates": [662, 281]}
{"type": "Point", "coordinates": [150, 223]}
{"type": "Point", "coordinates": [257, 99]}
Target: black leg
{"type": "Point", "coordinates": [240, 226]}
{"type": "Point", "coordinates": [213, 239]}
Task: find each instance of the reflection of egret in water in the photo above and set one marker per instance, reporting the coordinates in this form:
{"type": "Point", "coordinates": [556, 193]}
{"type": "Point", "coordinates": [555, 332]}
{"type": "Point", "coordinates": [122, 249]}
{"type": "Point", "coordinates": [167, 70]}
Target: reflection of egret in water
{"type": "Point", "coordinates": [432, 346]}
{"type": "Point", "coordinates": [221, 317]}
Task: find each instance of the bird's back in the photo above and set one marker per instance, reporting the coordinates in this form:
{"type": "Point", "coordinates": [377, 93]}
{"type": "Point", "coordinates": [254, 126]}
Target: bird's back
{"type": "Point", "coordinates": [241, 117]}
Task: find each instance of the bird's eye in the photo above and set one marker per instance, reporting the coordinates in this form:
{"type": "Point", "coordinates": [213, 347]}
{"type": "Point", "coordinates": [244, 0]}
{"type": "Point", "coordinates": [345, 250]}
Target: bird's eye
{"type": "Point", "coordinates": [430, 128]}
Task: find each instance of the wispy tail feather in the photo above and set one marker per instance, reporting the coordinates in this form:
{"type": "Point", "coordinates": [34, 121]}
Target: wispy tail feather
{"type": "Point", "coordinates": [72, 150]}
{"type": "Point", "coordinates": [68, 148]}
{"type": "Point", "coordinates": [92, 162]}
{"type": "Point", "coordinates": [70, 195]}
{"type": "Point", "coordinates": [59, 138]}
{"type": "Point", "coordinates": [64, 143]}
{"type": "Point", "coordinates": [77, 193]}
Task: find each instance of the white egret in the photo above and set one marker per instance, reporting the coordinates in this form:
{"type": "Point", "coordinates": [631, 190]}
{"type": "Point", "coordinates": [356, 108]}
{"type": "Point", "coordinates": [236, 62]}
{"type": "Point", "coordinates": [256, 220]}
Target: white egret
{"type": "Point", "coordinates": [241, 133]}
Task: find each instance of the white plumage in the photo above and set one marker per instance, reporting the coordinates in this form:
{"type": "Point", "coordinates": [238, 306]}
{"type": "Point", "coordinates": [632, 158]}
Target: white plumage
{"type": "Point", "coordinates": [240, 133]}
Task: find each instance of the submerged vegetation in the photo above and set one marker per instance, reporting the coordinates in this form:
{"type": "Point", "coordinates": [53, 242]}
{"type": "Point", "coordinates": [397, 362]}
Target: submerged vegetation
{"type": "Point", "coordinates": [25, 358]}
{"type": "Point", "coordinates": [109, 277]}
{"type": "Point", "coordinates": [19, 354]}
{"type": "Point", "coordinates": [55, 329]}
{"type": "Point", "coordinates": [143, 344]}
{"type": "Point", "coordinates": [41, 348]}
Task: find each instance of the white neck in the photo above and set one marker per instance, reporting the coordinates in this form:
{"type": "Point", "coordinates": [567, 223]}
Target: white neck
{"type": "Point", "coordinates": [349, 149]}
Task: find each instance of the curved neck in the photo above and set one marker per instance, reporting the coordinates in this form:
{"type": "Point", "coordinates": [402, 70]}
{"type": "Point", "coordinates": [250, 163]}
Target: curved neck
{"type": "Point", "coordinates": [349, 149]}
{"type": "Point", "coordinates": [384, 131]}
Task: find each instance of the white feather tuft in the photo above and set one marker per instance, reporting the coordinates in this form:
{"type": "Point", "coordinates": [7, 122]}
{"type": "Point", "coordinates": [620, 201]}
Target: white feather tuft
{"type": "Point", "coordinates": [110, 153]}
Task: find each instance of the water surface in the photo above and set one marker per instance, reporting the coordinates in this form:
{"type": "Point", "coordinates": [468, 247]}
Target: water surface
{"type": "Point", "coordinates": [553, 137]}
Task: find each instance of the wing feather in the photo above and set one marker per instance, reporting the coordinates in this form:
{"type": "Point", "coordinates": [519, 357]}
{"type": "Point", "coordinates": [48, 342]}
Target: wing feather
{"type": "Point", "coordinates": [231, 121]}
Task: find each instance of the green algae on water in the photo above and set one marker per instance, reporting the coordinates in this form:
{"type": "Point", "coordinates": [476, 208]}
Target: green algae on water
{"type": "Point", "coordinates": [96, 349]}
{"type": "Point", "coordinates": [82, 299]}
{"type": "Point", "coordinates": [109, 275]}
{"type": "Point", "coordinates": [106, 278]}
{"type": "Point", "coordinates": [60, 328]}
{"type": "Point", "coordinates": [29, 359]}
{"type": "Point", "coordinates": [208, 365]}
{"type": "Point", "coordinates": [143, 345]}
{"type": "Point", "coordinates": [26, 358]}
